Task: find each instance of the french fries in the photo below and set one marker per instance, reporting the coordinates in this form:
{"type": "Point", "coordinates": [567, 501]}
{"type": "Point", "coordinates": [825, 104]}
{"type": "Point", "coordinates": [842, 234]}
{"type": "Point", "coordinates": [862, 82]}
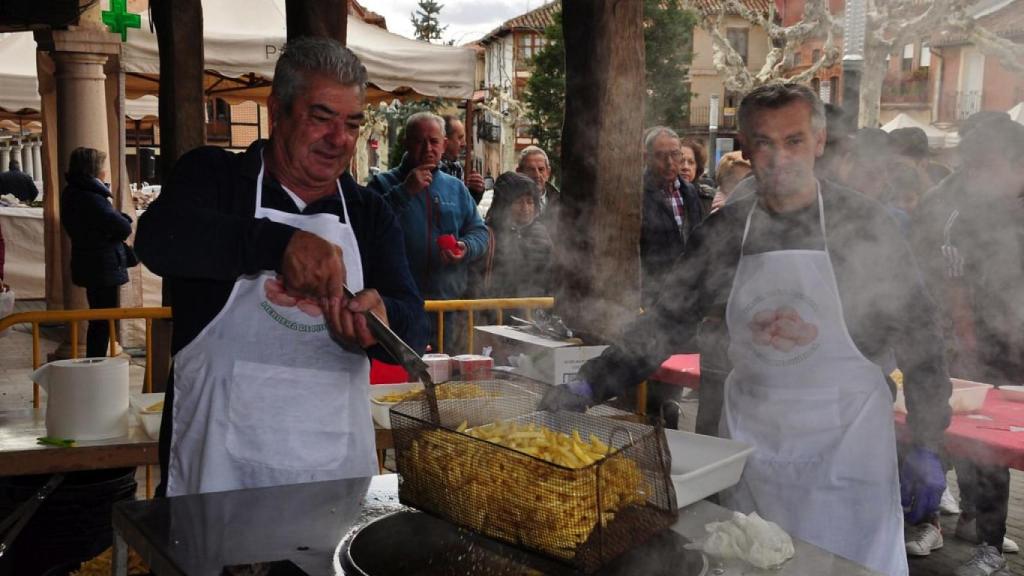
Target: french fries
{"type": "Point", "coordinates": [156, 407]}
{"type": "Point", "coordinates": [446, 391]}
{"type": "Point", "coordinates": [513, 495]}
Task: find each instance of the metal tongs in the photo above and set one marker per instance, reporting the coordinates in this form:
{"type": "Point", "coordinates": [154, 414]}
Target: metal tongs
{"type": "Point", "coordinates": [403, 353]}
{"type": "Point", "coordinates": [13, 524]}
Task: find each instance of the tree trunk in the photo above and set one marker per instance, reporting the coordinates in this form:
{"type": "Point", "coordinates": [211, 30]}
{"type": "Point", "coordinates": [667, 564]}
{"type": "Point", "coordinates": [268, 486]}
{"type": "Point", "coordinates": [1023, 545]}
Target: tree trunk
{"type": "Point", "coordinates": [317, 18]}
{"type": "Point", "coordinates": [872, 77]}
{"type": "Point", "coordinates": [599, 227]}
{"type": "Point", "coordinates": [182, 123]}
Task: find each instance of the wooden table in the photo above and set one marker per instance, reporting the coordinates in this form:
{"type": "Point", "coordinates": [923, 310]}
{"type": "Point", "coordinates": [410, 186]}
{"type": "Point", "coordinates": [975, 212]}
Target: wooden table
{"type": "Point", "coordinates": [21, 454]}
{"type": "Point", "coordinates": [985, 437]}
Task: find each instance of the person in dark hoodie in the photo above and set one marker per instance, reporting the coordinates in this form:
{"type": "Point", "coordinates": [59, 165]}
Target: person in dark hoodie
{"type": "Point", "coordinates": [99, 256]}
{"type": "Point", "coordinates": [519, 261]}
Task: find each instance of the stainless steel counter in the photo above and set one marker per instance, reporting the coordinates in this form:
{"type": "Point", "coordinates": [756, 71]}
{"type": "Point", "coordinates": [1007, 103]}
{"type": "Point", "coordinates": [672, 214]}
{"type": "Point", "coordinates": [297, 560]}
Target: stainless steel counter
{"type": "Point", "coordinates": [306, 523]}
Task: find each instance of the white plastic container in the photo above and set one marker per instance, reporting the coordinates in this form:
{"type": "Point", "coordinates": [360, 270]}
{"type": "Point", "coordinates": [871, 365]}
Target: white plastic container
{"type": "Point", "coordinates": [149, 419]}
{"type": "Point", "coordinates": [1012, 393]}
{"type": "Point", "coordinates": [967, 396]}
{"type": "Point", "coordinates": [704, 465]}
{"type": "Point", "coordinates": [381, 411]}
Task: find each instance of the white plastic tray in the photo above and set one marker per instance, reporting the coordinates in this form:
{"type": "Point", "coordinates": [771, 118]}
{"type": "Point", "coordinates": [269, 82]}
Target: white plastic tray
{"type": "Point", "coordinates": [704, 465]}
{"type": "Point", "coordinates": [150, 420]}
{"type": "Point", "coordinates": [967, 397]}
{"type": "Point", "coordinates": [382, 410]}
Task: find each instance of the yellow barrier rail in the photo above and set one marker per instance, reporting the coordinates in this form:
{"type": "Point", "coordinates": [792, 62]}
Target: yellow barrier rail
{"type": "Point", "coordinates": [470, 306]}
{"type": "Point", "coordinates": [73, 317]}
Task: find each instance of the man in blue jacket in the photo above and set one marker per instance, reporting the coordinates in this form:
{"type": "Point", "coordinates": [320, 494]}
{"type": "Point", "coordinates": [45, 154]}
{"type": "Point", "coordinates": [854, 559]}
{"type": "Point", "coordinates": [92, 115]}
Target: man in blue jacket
{"type": "Point", "coordinates": [443, 231]}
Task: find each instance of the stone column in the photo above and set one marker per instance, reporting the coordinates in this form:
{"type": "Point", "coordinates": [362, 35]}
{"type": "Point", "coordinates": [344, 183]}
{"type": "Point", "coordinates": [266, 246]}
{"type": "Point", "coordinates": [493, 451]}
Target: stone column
{"type": "Point", "coordinates": [26, 158]}
{"type": "Point", "coordinates": [37, 160]}
{"type": "Point", "coordinates": [5, 158]}
{"type": "Point", "coordinates": [15, 154]}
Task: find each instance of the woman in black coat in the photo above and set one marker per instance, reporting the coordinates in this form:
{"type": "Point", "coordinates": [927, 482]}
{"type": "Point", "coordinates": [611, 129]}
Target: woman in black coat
{"type": "Point", "coordinates": [518, 263]}
{"type": "Point", "coordinates": [99, 256]}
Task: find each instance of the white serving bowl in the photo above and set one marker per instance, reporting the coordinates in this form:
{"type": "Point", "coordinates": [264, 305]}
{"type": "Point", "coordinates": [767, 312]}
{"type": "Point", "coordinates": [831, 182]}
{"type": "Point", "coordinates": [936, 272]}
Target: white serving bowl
{"type": "Point", "coordinates": [1013, 393]}
{"type": "Point", "coordinates": [150, 420]}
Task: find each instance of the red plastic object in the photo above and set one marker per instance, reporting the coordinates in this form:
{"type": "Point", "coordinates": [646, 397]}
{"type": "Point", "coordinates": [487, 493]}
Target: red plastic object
{"type": "Point", "coordinates": [381, 373]}
{"type": "Point", "coordinates": [681, 370]}
{"type": "Point", "coordinates": [449, 243]}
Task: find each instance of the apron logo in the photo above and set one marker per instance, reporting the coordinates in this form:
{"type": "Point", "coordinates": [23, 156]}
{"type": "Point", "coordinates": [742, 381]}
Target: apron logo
{"type": "Point", "coordinates": [779, 333]}
{"type": "Point", "coordinates": [279, 305]}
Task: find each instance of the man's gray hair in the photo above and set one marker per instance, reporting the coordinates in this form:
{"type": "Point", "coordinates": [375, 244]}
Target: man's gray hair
{"type": "Point", "coordinates": [655, 132]}
{"type": "Point", "coordinates": [305, 56]}
{"type": "Point", "coordinates": [532, 151]}
{"type": "Point", "coordinates": [777, 95]}
{"type": "Point", "coordinates": [424, 117]}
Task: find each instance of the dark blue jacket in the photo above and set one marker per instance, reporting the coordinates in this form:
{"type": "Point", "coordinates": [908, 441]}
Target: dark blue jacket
{"type": "Point", "coordinates": [97, 231]}
{"type": "Point", "coordinates": [201, 235]}
{"type": "Point", "coordinates": [451, 211]}
{"type": "Point", "coordinates": [661, 240]}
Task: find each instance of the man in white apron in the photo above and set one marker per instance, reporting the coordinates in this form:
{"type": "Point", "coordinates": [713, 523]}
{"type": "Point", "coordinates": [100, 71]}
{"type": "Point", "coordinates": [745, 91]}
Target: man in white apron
{"type": "Point", "coordinates": [272, 386]}
{"type": "Point", "coordinates": [816, 408]}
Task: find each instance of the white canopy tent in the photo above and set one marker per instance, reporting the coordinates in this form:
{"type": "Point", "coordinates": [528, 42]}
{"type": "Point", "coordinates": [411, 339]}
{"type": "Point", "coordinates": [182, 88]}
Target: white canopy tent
{"type": "Point", "coordinates": [244, 37]}
{"type": "Point", "coordinates": [936, 138]}
{"type": "Point", "coordinates": [19, 83]}
{"type": "Point", "coordinates": [242, 40]}
{"type": "Point", "coordinates": [1017, 113]}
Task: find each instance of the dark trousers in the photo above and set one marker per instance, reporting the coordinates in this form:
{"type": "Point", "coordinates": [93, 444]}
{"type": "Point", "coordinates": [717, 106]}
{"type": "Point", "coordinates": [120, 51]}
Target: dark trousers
{"type": "Point", "coordinates": [984, 496]}
{"type": "Point", "coordinates": [98, 335]}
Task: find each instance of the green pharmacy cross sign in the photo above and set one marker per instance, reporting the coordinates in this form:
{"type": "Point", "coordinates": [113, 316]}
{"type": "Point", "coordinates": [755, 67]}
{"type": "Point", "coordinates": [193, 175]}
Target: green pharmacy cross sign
{"type": "Point", "coordinates": [119, 20]}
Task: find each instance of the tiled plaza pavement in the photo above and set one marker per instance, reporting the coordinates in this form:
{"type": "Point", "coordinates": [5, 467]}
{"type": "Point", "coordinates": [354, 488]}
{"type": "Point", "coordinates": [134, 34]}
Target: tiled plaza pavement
{"type": "Point", "coordinates": [16, 392]}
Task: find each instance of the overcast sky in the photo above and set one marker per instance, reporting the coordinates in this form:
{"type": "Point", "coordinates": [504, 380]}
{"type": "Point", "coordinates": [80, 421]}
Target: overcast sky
{"type": "Point", "coordinates": [467, 20]}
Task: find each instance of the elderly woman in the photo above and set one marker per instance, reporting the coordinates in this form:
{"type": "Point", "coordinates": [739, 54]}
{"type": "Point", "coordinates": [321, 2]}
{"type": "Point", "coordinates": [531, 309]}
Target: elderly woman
{"type": "Point", "coordinates": [99, 257]}
{"type": "Point", "coordinates": [732, 168]}
{"type": "Point", "coordinates": [518, 263]}
{"type": "Point", "coordinates": [691, 168]}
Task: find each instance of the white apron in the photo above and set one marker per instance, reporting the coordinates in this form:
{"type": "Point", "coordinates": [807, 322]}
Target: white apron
{"type": "Point", "coordinates": [818, 412]}
{"type": "Point", "coordinates": [263, 396]}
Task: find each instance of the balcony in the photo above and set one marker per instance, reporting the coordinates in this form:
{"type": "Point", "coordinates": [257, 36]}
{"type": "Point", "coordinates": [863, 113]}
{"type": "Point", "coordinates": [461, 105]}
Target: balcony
{"type": "Point", "coordinates": [700, 116]}
{"type": "Point", "coordinates": [957, 106]}
{"type": "Point", "coordinates": [905, 91]}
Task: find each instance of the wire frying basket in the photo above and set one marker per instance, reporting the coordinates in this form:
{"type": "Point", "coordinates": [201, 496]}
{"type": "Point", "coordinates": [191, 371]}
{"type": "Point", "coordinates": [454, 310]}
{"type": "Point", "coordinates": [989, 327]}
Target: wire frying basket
{"type": "Point", "coordinates": [595, 487]}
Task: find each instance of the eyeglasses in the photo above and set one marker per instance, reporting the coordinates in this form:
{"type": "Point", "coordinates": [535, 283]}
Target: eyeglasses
{"type": "Point", "coordinates": [668, 155]}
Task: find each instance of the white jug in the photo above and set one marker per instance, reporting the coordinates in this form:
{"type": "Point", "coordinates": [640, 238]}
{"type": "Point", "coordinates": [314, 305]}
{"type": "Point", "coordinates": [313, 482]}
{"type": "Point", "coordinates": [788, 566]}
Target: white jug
{"type": "Point", "coordinates": [86, 399]}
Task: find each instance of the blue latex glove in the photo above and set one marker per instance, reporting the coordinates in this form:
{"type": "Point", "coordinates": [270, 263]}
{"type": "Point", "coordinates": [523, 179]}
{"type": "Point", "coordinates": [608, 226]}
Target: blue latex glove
{"type": "Point", "coordinates": [575, 397]}
{"type": "Point", "coordinates": [922, 481]}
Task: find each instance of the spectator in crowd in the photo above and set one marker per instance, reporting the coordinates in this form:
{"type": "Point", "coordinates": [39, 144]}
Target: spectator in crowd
{"type": "Point", "coordinates": [438, 217]}
{"type": "Point", "coordinates": [518, 263]}
{"type": "Point", "coordinates": [732, 169]}
{"type": "Point", "coordinates": [911, 145]}
{"type": "Point", "coordinates": [866, 167]}
{"type": "Point", "coordinates": [838, 137]}
{"type": "Point", "coordinates": [692, 168]}
{"type": "Point", "coordinates": [533, 163]}
{"type": "Point", "coordinates": [968, 236]}
{"type": "Point", "coordinates": [455, 145]}
{"type": "Point", "coordinates": [18, 184]}
{"type": "Point", "coordinates": [904, 186]}
{"type": "Point", "coordinates": [99, 256]}
{"type": "Point", "coordinates": [672, 209]}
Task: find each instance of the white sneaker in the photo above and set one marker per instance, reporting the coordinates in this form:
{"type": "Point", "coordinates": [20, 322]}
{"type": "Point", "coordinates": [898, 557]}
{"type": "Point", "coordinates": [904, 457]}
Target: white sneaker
{"type": "Point", "coordinates": [948, 505]}
{"type": "Point", "coordinates": [985, 561]}
{"type": "Point", "coordinates": [1009, 546]}
{"type": "Point", "coordinates": [968, 530]}
{"type": "Point", "coordinates": [922, 539]}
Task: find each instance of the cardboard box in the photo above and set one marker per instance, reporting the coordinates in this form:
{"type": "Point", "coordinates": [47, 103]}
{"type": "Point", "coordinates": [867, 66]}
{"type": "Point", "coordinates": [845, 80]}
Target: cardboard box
{"type": "Point", "coordinates": [542, 358]}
